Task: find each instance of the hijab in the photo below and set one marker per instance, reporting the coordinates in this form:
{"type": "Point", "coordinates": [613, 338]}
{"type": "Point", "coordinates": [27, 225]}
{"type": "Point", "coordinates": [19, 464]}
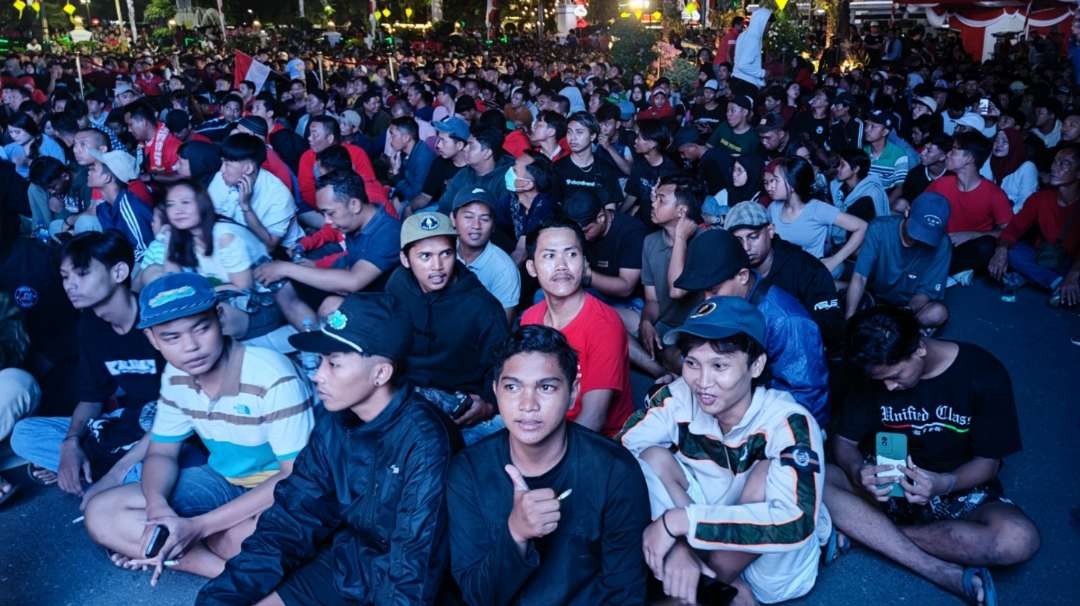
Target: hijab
{"type": "Point", "coordinates": [1006, 165]}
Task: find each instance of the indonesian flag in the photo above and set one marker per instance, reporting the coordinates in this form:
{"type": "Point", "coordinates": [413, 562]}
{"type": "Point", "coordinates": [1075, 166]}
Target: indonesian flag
{"type": "Point", "coordinates": [247, 68]}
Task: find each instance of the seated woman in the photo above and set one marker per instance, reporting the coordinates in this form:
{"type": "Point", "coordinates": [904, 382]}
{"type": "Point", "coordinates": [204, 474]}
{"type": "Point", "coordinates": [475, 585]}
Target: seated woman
{"type": "Point", "coordinates": [806, 222]}
{"type": "Point", "coordinates": [1010, 168]}
{"type": "Point", "coordinates": [224, 252]}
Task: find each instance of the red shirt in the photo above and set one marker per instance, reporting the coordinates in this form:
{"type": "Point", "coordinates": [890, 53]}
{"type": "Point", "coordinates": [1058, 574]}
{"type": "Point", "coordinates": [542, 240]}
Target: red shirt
{"type": "Point", "coordinates": [982, 209]}
{"type": "Point", "coordinates": [162, 151]}
{"type": "Point", "coordinates": [376, 192]}
{"type": "Point", "coordinates": [598, 337]}
{"type": "Point", "coordinates": [277, 167]}
{"type": "Point", "coordinates": [1043, 212]}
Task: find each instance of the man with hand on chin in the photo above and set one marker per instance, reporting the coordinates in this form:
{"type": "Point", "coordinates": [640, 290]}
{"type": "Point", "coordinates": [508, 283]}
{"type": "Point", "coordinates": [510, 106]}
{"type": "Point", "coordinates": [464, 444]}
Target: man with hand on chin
{"type": "Point", "coordinates": [734, 468]}
{"type": "Point", "coordinates": [362, 519]}
{"type": "Point", "coordinates": [545, 512]}
{"type": "Point", "coordinates": [250, 409]}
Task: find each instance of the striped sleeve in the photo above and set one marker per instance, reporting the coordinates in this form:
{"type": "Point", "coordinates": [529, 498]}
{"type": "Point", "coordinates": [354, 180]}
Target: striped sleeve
{"type": "Point", "coordinates": [170, 423]}
{"type": "Point", "coordinates": [655, 425]}
{"type": "Point", "coordinates": [786, 518]}
{"type": "Point", "coordinates": [287, 407]}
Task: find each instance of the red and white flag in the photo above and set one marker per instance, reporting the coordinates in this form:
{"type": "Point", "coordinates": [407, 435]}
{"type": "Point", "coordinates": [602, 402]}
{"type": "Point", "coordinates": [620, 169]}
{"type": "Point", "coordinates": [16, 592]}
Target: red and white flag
{"type": "Point", "coordinates": [247, 68]}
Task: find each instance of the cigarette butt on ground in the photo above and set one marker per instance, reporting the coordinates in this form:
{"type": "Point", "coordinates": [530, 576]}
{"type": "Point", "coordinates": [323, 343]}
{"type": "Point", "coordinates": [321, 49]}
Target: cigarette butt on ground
{"type": "Point", "coordinates": [565, 494]}
{"type": "Point", "coordinates": [170, 563]}
{"type": "Point", "coordinates": [78, 519]}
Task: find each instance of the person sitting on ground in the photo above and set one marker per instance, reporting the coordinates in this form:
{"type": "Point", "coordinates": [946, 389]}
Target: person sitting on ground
{"type": "Point", "coordinates": [208, 510]}
{"type": "Point", "coordinates": [954, 404]}
{"type": "Point", "coordinates": [736, 135]}
{"type": "Point", "coordinates": [1011, 169]}
{"type": "Point", "coordinates": [119, 208]}
{"type": "Point", "coordinates": [584, 170]}
{"type": "Point", "coordinates": [474, 222]}
{"type": "Point", "coordinates": [411, 162]}
{"type": "Point", "coordinates": [529, 201]}
{"type": "Point", "coordinates": [933, 156]}
{"type": "Point", "coordinates": [888, 160]}
{"type": "Point", "coordinates": [734, 469]}
{"type": "Point", "coordinates": [324, 131]}
{"type": "Point", "coordinates": [486, 169]}
{"type": "Point", "coordinates": [710, 165]}
{"type": "Point", "coordinates": [904, 261]}
{"type": "Point", "coordinates": [326, 539]}
{"type": "Point", "coordinates": [245, 193]}
{"type": "Point", "coordinates": [556, 258]}
{"type": "Point", "coordinates": [978, 208]}
{"type": "Point", "coordinates": [457, 324]}
{"type": "Point", "coordinates": [93, 449]}
{"type": "Point", "coordinates": [371, 244]}
{"type": "Point", "coordinates": [650, 165]}
{"type": "Point", "coordinates": [1054, 214]}
{"type": "Point", "coordinates": [857, 192]}
{"type": "Point", "coordinates": [806, 222]}
{"type": "Point", "coordinates": [160, 148]}
{"type": "Point", "coordinates": [778, 262]}
{"type": "Point", "coordinates": [717, 265]}
{"type": "Point", "coordinates": [545, 512]}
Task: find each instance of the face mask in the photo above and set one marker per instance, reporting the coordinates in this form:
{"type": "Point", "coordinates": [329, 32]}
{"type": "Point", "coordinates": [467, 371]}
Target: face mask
{"type": "Point", "coordinates": [510, 178]}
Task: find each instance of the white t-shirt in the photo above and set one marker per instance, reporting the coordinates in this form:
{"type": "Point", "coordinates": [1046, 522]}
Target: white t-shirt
{"type": "Point", "coordinates": [242, 252]}
{"type": "Point", "coordinates": [270, 200]}
{"type": "Point", "coordinates": [810, 229]}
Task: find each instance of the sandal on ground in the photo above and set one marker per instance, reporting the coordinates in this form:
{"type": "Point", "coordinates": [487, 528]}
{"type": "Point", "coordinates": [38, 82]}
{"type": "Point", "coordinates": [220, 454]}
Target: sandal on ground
{"type": "Point", "coordinates": [972, 594]}
{"type": "Point", "coordinates": [33, 471]}
{"type": "Point", "coordinates": [837, 546]}
{"type": "Point", "coordinates": [7, 490]}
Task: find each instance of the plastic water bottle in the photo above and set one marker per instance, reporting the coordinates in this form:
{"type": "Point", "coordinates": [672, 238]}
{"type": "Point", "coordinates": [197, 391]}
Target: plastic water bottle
{"type": "Point", "coordinates": [1010, 283]}
{"type": "Point", "coordinates": [309, 360]}
{"type": "Point", "coordinates": [41, 234]}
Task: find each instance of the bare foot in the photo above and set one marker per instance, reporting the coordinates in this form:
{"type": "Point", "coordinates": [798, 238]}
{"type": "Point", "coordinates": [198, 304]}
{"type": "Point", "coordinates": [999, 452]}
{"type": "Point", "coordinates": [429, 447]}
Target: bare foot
{"type": "Point", "coordinates": [7, 489]}
{"type": "Point", "coordinates": [956, 584]}
{"type": "Point", "coordinates": [122, 561]}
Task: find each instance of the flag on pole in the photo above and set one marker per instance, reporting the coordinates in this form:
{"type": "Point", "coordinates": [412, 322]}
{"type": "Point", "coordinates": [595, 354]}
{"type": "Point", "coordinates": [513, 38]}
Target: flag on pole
{"type": "Point", "coordinates": [247, 68]}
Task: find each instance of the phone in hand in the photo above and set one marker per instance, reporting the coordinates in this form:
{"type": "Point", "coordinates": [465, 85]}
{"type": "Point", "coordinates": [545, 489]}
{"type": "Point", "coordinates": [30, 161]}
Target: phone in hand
{"type": "Point", "coordinates": [984, 106]}
{"type": "Point", "coordinates": [464, 403]}
{"type": "Point", "coordinates": [891, 449]}
{"type": "Point", "coordinates": [158, 536]}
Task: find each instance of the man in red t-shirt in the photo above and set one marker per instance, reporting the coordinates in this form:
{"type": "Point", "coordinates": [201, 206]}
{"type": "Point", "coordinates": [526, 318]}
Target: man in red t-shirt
{"type": "Point", "coordinates": [324, 131]}
{"type": "Point", "coordinates": [978, 208]}
{"type": "Point", "coordinates": [725, 48]}
{"type": "Point", "coordinates": [557, 260]}
{"type": "Point", "coordinates": [160, 148]}
{"type": "Point", "coordinates": [1053, 217]}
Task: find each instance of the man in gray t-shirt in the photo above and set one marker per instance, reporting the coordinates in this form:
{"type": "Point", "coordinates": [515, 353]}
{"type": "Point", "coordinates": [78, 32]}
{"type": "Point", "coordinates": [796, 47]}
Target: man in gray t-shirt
{"type": "Point", "coordinates": [904, 261]}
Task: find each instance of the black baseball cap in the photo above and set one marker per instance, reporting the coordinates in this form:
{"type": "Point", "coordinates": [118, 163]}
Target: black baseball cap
{"type": "Point", "coordinates": [366, 323]}
{"type": "Point", "coordinates": [712, 257]}
{"type": "Point", "coordinates": [581, 206]}
{"type": "Point", "coordinates": [770, 122]}
{"type": "Point", "coordinates": [882, 117]}
{"type": "Point", "coordinates": [722, 317]}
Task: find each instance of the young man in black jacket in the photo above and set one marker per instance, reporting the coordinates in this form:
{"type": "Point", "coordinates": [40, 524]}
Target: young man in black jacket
{"type": "Point", "coordinates": [457, 324]}
{"type": "Point", "coordinates": [362, 518]}
{"type": "Point", "coordinates": [546, 512]}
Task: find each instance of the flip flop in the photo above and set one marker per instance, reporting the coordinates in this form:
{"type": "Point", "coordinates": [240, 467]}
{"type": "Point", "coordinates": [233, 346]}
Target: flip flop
{"type": "Point", "coordinates": [7, 490]}
{"type": "Point", "coordinates": [835, 548]}
{"type": "Point", "coordinates": [989, 592]}
{"type": "Point", "coordinates": [32, 471]}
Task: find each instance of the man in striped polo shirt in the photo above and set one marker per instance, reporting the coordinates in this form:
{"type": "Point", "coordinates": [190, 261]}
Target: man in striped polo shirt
{"type": "Point", "coordinates": [250, 409]}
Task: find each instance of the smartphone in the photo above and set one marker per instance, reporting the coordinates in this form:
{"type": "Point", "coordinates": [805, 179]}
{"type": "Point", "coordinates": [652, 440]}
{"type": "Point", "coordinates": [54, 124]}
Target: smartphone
{"type": "Point", "coordinates": [158, 536]}
{"type": "Point", "coordinates": [464, 402]}
{"type": "Point", "coordinates": [891, 449]}
{"type": "Point", "coordinates": [984, 106]}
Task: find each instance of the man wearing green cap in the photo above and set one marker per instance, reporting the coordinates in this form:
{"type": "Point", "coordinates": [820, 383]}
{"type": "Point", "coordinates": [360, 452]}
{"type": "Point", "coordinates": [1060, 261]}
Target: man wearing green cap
{"type": "Point", "coordinates": [250, 409]}
{"type": "Point", "coordinates": [457, 324]}
{"type": "Point", "coordinates": [734, 469]}
{"type": "Point", "coordinates": [362, 520]}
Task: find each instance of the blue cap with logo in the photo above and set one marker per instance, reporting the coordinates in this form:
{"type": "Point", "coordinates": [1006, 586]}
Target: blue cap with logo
{"type": "Point", "coordinates": [455, 126]}
{"type": "Point", "coordinates": [722, 317]}
{"type": "Point", "coordinates": [928, 218]}
{"type": "Point", "coordinates": [174, 296]}
{"type": "Point", "coordinates": [467, 196]}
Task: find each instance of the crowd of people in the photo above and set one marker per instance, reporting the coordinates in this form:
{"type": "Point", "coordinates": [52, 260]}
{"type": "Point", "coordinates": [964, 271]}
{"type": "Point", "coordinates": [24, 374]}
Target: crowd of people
{"type": "Point", "coordinates": [366, 334]}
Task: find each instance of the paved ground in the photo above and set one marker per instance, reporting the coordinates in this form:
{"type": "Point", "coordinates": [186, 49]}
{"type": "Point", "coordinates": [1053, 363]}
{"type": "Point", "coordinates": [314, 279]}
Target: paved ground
{"type": "Point", "coordinates": [44, 559]}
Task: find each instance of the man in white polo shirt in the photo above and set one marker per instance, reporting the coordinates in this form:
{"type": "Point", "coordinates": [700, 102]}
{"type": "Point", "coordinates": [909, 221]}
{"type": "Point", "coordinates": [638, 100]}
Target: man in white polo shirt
{"type": "Point", "coordinates": [474, 218]}
{"type": "Point", "coordinates": [250, 409]}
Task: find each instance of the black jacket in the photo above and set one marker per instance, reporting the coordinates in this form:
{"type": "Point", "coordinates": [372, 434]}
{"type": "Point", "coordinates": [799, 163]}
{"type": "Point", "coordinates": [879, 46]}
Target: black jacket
{"type": "Point", "coordinates": [593, 557]}
{"type": "Point", "coordinates": [808, 280]}
{"type": "Point", "coordinates": [456, 332]}
{"type": "Point", "coordinates": [371, 493]}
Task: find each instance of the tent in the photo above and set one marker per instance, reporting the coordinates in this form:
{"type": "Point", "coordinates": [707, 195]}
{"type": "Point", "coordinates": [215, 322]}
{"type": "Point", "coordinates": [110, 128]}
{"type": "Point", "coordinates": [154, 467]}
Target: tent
{"type": "Point", "coordinates": [978, 22]}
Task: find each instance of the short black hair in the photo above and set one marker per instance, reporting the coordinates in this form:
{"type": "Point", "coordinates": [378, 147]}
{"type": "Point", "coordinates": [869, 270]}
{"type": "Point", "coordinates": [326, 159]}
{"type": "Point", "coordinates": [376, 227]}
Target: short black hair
{"type": "Point", "coordinates": [141, 109]}
{"type": "Point", "coordinates": [653, 130]}
{"type": "Point", "coordinates": [108, 247]}
{"type": "Point", "coordinates": [268, 101]}
{"type": "Point", "coordinates": [346, 185]}
{"type": "Point", "coordinates": [857, 159]}
{"type": "Point", "coordinates": [555, 222]}
{"type": "Point", "coordinates": [46, 169]}
{"type": "Point", "coordinates": [555, 120]}
{"type": "Point", "coordinates": [408, 125]}
{"type": "Point", "coordinates": [688, 192]}
{"type": "Point", "coordinates": [882, 336]}
{"type": "Point", "coordinates": [975, 144]}
{"type": "Point", "coordinates": [319, 94]}
{"type": "Point", "coordinates": [490, 139]}
{"type": "Point", "coordinates": [241, 147]}
{"type": "Point", "coordinates": [329, 123]}
{"type": "Point", "coordinates": [585, 119]}
{"type": "Point", "coordinates": [335, 157]}
{"type": "Point", "coordinates": [537, 338]}
{"type": "Point", "coordinates": [608, 111]}
{"type": "Point", "coordinates": [233, 98]}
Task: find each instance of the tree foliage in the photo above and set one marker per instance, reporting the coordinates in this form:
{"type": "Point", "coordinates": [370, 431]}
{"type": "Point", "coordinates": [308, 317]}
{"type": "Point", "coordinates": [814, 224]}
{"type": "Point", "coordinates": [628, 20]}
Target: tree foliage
{"type": "Point", "coordinates": [633, 47]}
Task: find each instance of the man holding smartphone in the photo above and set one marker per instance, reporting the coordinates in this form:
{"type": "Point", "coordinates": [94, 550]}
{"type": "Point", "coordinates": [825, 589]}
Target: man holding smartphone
{"type": "Point", "coordinates": [249, 407]}
{"type": "Point", "coordinates": [954, 404]}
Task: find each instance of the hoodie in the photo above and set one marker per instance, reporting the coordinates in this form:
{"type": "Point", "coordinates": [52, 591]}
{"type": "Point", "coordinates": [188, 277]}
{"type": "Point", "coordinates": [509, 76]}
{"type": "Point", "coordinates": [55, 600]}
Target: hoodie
{"type": "Point", "coordinates": [456, 332]}
{"type": "Point", "coordinates": [870, 187]}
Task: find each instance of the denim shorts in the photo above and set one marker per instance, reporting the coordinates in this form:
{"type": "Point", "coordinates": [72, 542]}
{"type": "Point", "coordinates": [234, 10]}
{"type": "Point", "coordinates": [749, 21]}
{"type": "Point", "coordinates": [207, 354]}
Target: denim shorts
{"type": "Point", "coordinates": [201, 489]}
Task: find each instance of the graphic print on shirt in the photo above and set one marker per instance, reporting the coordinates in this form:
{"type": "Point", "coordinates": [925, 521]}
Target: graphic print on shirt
{"type": "Point", "coordinates": [920, 421]}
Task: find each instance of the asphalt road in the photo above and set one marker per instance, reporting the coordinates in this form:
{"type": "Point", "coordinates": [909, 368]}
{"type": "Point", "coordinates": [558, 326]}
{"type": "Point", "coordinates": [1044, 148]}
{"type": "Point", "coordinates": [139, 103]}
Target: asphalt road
{"type": "Point", "coordinates": [46, 560]}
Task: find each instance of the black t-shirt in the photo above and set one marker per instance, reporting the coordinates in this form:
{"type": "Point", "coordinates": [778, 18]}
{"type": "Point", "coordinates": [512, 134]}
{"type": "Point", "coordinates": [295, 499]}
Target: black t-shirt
{"type": "Point", "coordinates": [965, 412]}
{"type": "Point", "coordinates": [714, 169]}
{"type": "Point", "coordinates": [442, 170]}
{"type": "Point", "coordinates": [108, 360]}
{"type": "Point", "coordinates": [643, 176]}
{"type": "Point", "coordinates": [807, 279]}
{"type": "Point", "coordinates": [601, 177]}
{"type": "Point", "coordinates": [29, 275]}
{"type": "Point", "coordinates": [814, 129]}
{"type": "Point", "coordinates": [915, 183]}
{"type": "Point", "coordinates": [620, 248]}
{"type": "Point", "coordinates": [709, 118]}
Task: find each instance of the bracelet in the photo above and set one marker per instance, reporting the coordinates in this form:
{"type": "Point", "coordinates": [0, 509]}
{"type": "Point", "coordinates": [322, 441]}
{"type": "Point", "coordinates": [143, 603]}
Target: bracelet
{"type": "Point", "coordinates": [663, 521]}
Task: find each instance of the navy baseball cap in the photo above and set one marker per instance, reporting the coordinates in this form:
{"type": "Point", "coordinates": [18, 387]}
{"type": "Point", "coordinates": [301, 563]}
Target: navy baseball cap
{"type": "Point", "coordinates": [366, 323]}
{"type": "Point", "coordinates": [175, 296]}
{"type": "Point", "coordinates": [455, 126]}
{"type": "Point", "coordinates": [713, 256]}
{"type": "Point", "coordinates": [928, 218]}
{"type": "Point", "coordinates": [722, 317]}
{"type": "Point", "coordinates": [882, 117]}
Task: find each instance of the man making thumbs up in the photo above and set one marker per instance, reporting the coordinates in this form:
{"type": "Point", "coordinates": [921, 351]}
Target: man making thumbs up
{"type": "Point", "coordinates": [545, 511]}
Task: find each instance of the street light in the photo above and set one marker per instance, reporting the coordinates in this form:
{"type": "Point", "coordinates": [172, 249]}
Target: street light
{"type": "Point", "coordinates": [86, 5]}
